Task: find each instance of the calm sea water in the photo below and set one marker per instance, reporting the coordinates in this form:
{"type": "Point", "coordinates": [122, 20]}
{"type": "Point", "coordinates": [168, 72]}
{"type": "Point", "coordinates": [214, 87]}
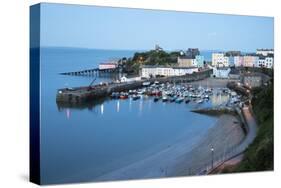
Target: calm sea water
{"type": "Point", "coordinates": [79, 144]}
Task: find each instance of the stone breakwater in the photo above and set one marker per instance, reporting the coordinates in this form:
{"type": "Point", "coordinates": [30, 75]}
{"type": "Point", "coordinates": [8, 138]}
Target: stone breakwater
{"type": "Point", "coordinates": [80, 95]}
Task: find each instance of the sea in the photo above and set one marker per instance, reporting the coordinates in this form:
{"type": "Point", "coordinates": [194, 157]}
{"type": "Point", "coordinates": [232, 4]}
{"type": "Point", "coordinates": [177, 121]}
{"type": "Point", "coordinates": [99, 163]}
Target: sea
{"type": "Point", "coordinates": [83, 143]}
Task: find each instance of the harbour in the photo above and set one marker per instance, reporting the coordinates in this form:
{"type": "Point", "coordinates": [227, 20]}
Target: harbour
{"type": "Point", "coordinates": [165, 110]}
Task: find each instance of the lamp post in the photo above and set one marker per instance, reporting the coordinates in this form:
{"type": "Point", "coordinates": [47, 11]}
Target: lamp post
{"type": "Point", "coordinates": [212, 150]}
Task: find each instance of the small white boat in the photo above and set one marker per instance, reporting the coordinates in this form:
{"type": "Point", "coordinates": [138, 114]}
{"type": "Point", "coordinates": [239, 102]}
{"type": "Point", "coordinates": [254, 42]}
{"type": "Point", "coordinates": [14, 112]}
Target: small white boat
{"type": "Point", "coordinates": [146, 83]}
{"type": "Point", "coordinates": [164, 98]}
{"type": "Point", "coordinates": [200, 101]}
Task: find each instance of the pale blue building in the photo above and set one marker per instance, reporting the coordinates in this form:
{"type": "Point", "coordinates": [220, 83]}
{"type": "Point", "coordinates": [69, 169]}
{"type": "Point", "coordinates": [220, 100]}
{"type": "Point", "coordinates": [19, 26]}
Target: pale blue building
{"type": "Point", "coordinates": [199, 60]}
{"type": "Point", "coordinates": [231, 61]}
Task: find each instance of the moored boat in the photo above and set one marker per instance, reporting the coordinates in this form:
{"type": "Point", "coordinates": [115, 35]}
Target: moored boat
{"type": "Point", "coordinates": [164, 98]}
{"type": "Point", "coordinates": [135, 97]}
{"type": "Point", "coordinates": [156, 99]}
{"type": "Point", "coordinates": [187, 101]}
{"type": "Point", "coordinates": [115, 95]}
{"type": "Point", "coordinates": [179, 99]}
{"type": "Point", "coordinates": [200, 101]}
{"type": "Point", "coordinates": [123, 95]}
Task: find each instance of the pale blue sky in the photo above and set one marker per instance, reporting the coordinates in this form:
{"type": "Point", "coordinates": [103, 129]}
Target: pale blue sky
{"type": "Point", "coordinates": [122, 28]}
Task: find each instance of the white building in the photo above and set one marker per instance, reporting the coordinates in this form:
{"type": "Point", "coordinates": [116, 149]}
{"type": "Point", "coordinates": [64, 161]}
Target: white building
{"type": "Point", "coordinates": [269, 62]}
{"type": "Point", "coordinates": [261, 62]}
{"type": "Point", "coordinates": [221, 72]}
{"type": "Point", "coordinates": [179, 71]}
{"type": "Point", "coordinates": [264, 52]}
{"type": "Point", "coordinates": [220, 60]}
{"type": "Point", "coordinates": [153, 71]}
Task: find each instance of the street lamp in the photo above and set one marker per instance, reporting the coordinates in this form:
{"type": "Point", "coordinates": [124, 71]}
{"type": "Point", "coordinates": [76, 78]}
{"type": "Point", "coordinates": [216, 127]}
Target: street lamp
{"type": "Point", "coordinates": [212, 150]}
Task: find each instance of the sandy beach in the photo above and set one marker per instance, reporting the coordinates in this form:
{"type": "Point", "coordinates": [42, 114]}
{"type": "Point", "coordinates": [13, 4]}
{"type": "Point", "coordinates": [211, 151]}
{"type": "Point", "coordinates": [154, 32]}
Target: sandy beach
{"type": "Point", "coordinates": [178, 160]}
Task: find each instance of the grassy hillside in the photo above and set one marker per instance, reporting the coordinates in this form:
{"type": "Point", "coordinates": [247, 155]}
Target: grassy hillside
{"type": "Point", "coordinates": [151, 57]}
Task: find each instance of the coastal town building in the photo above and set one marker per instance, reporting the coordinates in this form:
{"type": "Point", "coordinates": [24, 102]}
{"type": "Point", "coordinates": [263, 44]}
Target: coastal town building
{"type": "Point", "coordinates": [109, 65]}
{"type": "Point", "coordinates": [232, 53]}
{"type": "Point", "coordinates": [221, 72]}
{"type": "Point", "coordinates": [264, 52]}
{"type": "Point", "coordinates": [231, 61]}
{"type": "Point", "coordinates": [234, 74]}
{"type": "Point", "coordinates": [238, 61]}
{"type": "Point", "coordinates": [269, 62]}
{"type": "Point", "coordinates": [252, 79]}
{"type": "Point", "coordinates": [231, 57]}
{"type": "Point", "coordinates": [154, 71]}
{"type": "Point", "coordinates": [192, 53]}
{"type": "Point", "coordinates": [261, 61]}
{"type": "Point", "coordinates": [250, 60]}
{"type": "Point", "coordinates": [199, 61]}
{"type": "Point", "coordinates": [184, 61]}
{"type": "Point", "coordinates": [220, 60]}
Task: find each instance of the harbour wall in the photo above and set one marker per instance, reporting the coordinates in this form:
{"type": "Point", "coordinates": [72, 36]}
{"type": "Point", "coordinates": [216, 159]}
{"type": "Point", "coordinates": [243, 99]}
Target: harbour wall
{"type": "Point", "coordinates": [79, 95]}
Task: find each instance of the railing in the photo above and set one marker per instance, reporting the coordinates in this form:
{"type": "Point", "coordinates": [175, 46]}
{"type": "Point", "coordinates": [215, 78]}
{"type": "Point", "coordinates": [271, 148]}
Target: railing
{"type": "Point", "coordinates": [221, 158]}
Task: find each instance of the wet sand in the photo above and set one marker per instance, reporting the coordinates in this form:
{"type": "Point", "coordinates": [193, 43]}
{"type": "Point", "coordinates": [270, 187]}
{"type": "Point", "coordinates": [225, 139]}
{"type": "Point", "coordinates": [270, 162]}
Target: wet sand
{"type": "Point", "coordinates": [224, 135]}
{"type": "Point", "coordinates": [178, 160]}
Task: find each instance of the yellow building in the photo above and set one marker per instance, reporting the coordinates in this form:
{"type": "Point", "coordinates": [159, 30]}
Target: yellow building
{"type": "Point", "coordinates": [186, 62]}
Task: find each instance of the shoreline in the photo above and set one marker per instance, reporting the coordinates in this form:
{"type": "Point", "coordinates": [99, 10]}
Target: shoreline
{"type": "Point", "coordinates": [178, 160]}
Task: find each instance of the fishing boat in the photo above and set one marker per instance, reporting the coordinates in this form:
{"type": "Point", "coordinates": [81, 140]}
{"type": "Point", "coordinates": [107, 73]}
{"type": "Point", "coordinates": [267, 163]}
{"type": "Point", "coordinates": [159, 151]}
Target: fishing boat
{"type": "Point", "coordinates": [187, 101]}
{"type": "Point", "coordinates": [156, 99]}
{"type": "Point", "coordinates": [206, 97]}
{"type": "Point", "coordinates": [115, 95]}
{"type": "Point", "coordinates": [164, 98]}
{"type": "Point", "coordinates": [173, 99]}
{"type": "Point", "coordinates": [123, 96]}
{"type": "Point", "coordinates": [135, 97]}
{"type": "Point", "coordinates": [179, 99]}
{"type": "Point", "coordinates": [146, 83]}
{"type": "Point", "coordinates": [200, 101]}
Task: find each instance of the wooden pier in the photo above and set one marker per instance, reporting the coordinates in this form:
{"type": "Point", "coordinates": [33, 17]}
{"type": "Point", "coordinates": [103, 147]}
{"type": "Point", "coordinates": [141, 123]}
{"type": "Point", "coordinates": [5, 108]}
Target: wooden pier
{"type": "Point", "coordinates": [91, 72]}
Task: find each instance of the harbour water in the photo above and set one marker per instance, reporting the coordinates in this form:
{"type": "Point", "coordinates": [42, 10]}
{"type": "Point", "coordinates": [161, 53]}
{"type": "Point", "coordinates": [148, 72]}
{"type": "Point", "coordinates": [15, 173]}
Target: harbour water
{"type": "Point", "coordinates": [81, 144]}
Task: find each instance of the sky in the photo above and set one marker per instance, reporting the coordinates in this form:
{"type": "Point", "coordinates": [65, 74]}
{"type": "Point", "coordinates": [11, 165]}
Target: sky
{"type": "Point", "coordinates": [139, 29]}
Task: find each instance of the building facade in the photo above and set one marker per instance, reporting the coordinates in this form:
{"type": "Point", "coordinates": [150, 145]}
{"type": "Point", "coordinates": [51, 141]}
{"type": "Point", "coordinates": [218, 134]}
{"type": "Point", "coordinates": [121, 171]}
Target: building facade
{"type": "Point", "coordinates": [186, 62]}
{"type": "Point", "coordinates": [220, 60]}
{"type": "Point", "coordinates": [264, 52]}
{"type": "Point", "coordinates": [199, 61]}
{"type": "Point", "coordinates": [252, 80]}
{"type": "Point", "coordinates": [269, 62]}
{"type": "Point", "coordinates": [238, 61]}
{"type": "Point", "coordinates": [221, 72]}
{"type": "Point", "coordinates": [154, 71]}
{"type": "Point", "coordinates": [192, 53]}
{"type": "Point", "coordinates": [250, 61]}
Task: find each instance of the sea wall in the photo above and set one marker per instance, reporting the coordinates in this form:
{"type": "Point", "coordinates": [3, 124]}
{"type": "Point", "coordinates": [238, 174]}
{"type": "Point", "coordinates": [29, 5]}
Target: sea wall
{"type": "Point", "coordinates": [80, 95]}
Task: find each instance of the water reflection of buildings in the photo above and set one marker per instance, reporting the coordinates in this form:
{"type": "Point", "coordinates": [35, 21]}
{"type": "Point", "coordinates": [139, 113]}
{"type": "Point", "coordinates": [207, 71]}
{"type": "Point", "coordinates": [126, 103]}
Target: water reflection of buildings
{"type": "Point", "coordinates": [118, 106]}
{"type": "Point", "coordinates": [68, 113]}
{"type": "Point", "coordinates": [139, 106]}
{"type": "Point", "coordinates": [101, 109]}
{"type": "Point", "coordinates": [217, 100]}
